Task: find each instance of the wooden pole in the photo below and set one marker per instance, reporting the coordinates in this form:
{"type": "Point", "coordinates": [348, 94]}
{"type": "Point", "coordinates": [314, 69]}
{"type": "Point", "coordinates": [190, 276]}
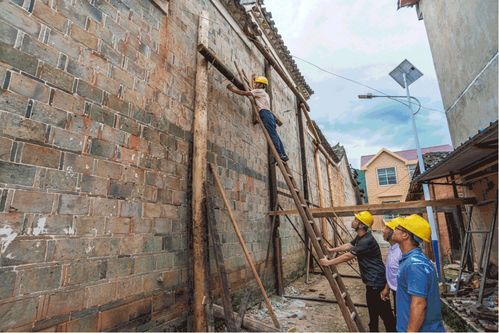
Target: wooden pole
{"type": "Point", "coordinates": [200, 129]}
{"type": "Point", "coordinates": [329, 170]}
{"type": "Point", "coordinates": [322, 200]}
{"type": "Point", "coordinates": [247, 255]}
{"type": "Point", "coordinates": [251, 325]}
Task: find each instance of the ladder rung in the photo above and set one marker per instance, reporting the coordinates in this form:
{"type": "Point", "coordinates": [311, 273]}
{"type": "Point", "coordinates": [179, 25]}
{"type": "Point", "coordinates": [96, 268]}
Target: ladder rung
{"type": "Point", "coordinates": [335, 275]}
{"type": "Point", "coordinates": [343, 294]}
{"type": "Point", "coordinates": [311, 221]}
{"type": "Point", "coordinates": [296, 190]}
{"type": "Point", "coordinates": [353, 315]}
{"type": "Point", "coordinates": [318, 238]}
{"type": "Point", "coordinates": [478, 231]}
{"type": "Point", "coordinates": [303, 205]}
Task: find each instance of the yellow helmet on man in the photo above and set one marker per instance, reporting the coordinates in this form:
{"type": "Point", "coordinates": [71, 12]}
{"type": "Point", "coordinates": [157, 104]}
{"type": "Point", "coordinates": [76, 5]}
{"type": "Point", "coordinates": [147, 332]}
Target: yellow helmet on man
{"type": "Point", "coordinates": [417, 226]}
{"type": "Point", "coordinates": [365, 217]}
{"type": "Point", "coordinates": [262, 79]}
{"type": "Point", "coordinates": [393, 223]}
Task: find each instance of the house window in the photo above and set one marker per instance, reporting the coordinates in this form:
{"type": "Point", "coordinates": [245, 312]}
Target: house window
{"type": "Point", "coordinates": [411, 168]}
{"type": "Point", "coordinates": [387, 176]}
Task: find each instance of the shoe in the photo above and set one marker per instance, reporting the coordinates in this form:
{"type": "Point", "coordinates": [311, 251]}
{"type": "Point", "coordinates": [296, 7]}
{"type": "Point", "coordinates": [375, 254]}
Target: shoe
{"type": "Point", "coordinates": [285, 158]}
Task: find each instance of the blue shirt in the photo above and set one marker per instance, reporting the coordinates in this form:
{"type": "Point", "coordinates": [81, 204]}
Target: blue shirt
{"type": "Point", "coordinates": [417, 276]}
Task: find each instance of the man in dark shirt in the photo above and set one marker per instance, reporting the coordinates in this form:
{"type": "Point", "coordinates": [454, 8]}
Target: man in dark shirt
{"type": "Point", "coordinates": [372, 270]}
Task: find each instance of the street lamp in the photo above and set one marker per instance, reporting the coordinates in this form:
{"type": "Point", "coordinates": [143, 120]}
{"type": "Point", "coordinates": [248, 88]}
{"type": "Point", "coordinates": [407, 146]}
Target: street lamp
{"type": "Point", "coordinates": [405, 74]}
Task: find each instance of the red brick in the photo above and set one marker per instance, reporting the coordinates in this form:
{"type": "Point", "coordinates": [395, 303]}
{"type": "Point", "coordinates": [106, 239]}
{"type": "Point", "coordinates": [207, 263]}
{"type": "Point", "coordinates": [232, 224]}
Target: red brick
{"type": "Point", "coordinates": [85, 324]}
{"type": "Point", "coordinates": [28, 87]}
{"type": "Point", "coordinates": [83, 37]}
{"type": "Point", "coordinates": [42, 156]}
{"type": "Point", "coordinates": [49, 16]}
{"type": "Point", "coordinates": [65, 302]}
{"type": "Point", "coordinates": [113, 318]}
{"type": "Point", "coordinates": [68, 102]}
{"type": "Point", "coordinates": [56, 77]}
{"type": "Point", "coordinates": [32, 202]}
{"type": "Point", "coordinates": [49, 115]}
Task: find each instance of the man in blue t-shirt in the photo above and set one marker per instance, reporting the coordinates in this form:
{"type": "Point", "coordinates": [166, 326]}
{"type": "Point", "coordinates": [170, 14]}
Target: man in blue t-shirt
{"type": "Point", "coordinates": [418, 299]}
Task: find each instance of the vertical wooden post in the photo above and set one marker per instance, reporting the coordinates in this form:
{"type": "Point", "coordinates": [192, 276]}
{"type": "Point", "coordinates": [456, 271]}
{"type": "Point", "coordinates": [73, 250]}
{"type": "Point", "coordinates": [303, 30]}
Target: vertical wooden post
{"type": "Point", "coordinates": [276, 238]}
{"type": "Point", "coordinates": [200, 129]}
{"type": "Point", "coordinates": [329, 169]}
{"type": "Point", "coordinates": [322, 201]}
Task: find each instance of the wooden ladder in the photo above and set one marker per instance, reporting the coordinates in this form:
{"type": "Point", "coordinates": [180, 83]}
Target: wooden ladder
{"type": "Point", "coordinates": [345, 303]}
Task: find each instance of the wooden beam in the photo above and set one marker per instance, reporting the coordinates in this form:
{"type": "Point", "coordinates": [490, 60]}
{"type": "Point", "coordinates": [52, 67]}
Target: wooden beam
{"type": "Point", "coordinates": [322, 200]}
{"type": "Point", "coordinates": [323, 300]}
{"type": "Point", "coordinates": [409, 207]}
{"type": "Point", "coordinates": [251, 325]}
{"type": "Point", "coordinates": [219, 261]}
{"type": "Point", "coordinates": [200, 130]}
{"type": "Point", "coordinates": [247, 255]}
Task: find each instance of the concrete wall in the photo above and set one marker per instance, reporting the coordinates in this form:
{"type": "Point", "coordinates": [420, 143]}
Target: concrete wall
{"type": "Point", "coordinates": [96, 112]}
{"type": "Point", "coordinates": [463, 40]}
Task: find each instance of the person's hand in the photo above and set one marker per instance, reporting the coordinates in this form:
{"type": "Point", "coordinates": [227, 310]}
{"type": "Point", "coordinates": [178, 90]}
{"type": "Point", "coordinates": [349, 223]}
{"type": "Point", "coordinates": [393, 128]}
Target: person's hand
{"type": "Point", "coordinates": [324, 261]}
{"type": "Point", "coordinates": [329, 248]}
{"type": "Point", "coordinates": [385, 294]}
{"type": "Point", "coordinates": [229, 86]}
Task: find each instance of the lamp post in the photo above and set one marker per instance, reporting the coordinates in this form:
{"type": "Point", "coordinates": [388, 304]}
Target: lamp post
{"type": "Point", "coordinates": [405, 74]}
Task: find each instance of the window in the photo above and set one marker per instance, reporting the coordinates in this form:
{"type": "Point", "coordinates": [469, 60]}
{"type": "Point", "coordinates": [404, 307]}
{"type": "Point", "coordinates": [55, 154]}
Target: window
{"type": "Point", "coordinates": [389, 217]}
{"type": "Point", "coordinates": [387, 176]}
{"type": "Point", "coordinates": [411, 168]}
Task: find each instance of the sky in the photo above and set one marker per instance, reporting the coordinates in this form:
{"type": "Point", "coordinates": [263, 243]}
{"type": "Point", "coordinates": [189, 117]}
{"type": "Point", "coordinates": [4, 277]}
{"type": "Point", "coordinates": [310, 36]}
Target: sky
{"type": "Point", "coordinates": [363, 40]}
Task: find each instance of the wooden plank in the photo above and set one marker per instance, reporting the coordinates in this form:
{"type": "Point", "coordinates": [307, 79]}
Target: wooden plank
{"type": "Point", "coordinates": [212, 58]}
{"type": "Point", "coordinates": [200, 129]}
{"type": "Point", "coordinates": [409, 207]}
{"type": "Point", "coordinates": [247, 255]}
{"type": "Point", "coordinates": [251, 325]}
{"type": "Point", "coordinates": [219, 261]}
{"type": "Point", "coordinates": [323, 300]}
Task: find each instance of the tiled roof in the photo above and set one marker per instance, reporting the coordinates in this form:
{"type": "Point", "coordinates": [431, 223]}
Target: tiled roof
{"type": "Point", "coordinates": [410, 154]}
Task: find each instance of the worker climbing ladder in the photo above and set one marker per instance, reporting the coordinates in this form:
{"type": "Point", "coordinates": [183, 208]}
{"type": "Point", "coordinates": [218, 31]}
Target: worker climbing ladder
{"type": "Point", "coordinates": [345, 303]}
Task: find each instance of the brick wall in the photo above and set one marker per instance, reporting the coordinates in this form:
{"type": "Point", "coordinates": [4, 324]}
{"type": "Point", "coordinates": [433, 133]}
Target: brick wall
{"type": "Point", "coordinates": [95, 153]}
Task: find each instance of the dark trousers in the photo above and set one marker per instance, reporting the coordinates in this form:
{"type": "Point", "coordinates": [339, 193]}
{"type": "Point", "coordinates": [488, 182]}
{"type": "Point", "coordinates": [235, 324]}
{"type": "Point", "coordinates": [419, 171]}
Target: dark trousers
{"type": "Point", "coordinates": [269, 123]}
{"type": "Point", "coordinates": [394, 293]}
{"type": "Point", "coordinates": [378, 308]}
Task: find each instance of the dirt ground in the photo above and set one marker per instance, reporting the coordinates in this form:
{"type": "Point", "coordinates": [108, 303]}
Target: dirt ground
{"type": "Point", "coordinates": [302, 316]}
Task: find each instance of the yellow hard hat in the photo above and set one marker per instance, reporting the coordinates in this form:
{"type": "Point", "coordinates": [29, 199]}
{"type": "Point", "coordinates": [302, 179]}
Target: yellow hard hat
{"type": "Point", "coordinates": [417, 226]}
{"type": "Point", "coordinates": [365, 217]}
{"type": "Point", "coordinates": [393, 223]}
{"type": "Point", "coordinates": [262, 79]}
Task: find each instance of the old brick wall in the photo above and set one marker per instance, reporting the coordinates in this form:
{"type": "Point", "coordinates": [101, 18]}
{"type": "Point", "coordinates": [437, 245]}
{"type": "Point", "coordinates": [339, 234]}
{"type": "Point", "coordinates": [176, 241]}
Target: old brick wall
{"type": "Point", "coordinates": [95, 150]}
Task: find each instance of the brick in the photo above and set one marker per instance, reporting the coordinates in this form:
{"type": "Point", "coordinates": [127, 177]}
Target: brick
{"type": "Point", "coordinates": [64, 44]}
{"type": "Point", "coordinates": [83, 125]}
{"type": "Point", "coordinates": [40, 50]}
{"type": "Point", "coordinates": [113, 318]}
{"type": "Point", "coordinates": [84, 272]}
{"type": "Point", "coordinates": [144, 264]}
{"type": "Point", "coordinates": [17, 313]}
{"type": "Point", "coordinates": [21, 128]}
{"type": "Point", "coordinates": [7, 282]}
{"type": "Point", "coordinates": [119, 267]}
{"type": "Point", "coordinates": [18, 18]}
{"type": "Point", "coordinates": [100, 294]}
{"type": "Point", "coordinates": [58, 180]}
{"type": "Point", "coordinates": [8, 34]}
{"type": "Point", "coordinates": [130, 209]}
{"type": "Point", "coordinates": [11, 173]}
{"type": "Point", "coordinates": [67, 140]}
{"type": "Point", "coordinates": [163, 261]}
{"type": "Point", "coordinates": [118, 31]}
{"type": "Point", "coordinates": [104, 207]}
{"type": "Point", "coordinates": [94, 185]}
{"type": "Point", "coordinates": [13, 103]}
{"type": "Point", "coordinates": [68, 249]}
{"type": "Point", "coordinates": [108, 169]}
{"type": "Point", "coordinates": [101, 115]}
{"type": "Point", "coordinates": [22, 251]}
{"type": "Point", "coordinates": [129, 125]}
{"type": "Point", "coordinates": [42, 156]}
{"type": "Point", "coordinates": [65, 302]}
{"type": "Point", "coordinates": [118, 225]}
{"type": "Point", "coordinates": [49, 115]}
{"type": "Point", "coordinates": [28, 87]}
{"type": "Point", "coordinates": [124, 78]}
{"type": "Point", "coordinates": [49, 16]}
{"type": "Point", "coordinates": [87, 90]}
{"type": "Point", "coordinates": [106, 83]}
{"type": "Point", "coordinates": [53, 224]}
{"type": "Point", "coordinates": [142, 226]}
{"type": "Point", "coordinates": [56, 77]}
{"type": "Point", "coordinates": [68, 102]}
{"type": "Point", "coordinates": [83, 37]}
{"type": "Point", "coordinates": [128, 156]}
{"type": "Point", "coordinates": [89, 225]}
{"type": "Point", "coordinates": [72, 204]}
{"type": "Point", "coordinates": [102, 148]}
{"type": "Point", "coordinates": [39, 279]}
{"type": "Point", "coordinates": [104, 247]}
{"type": "Point", "coordinates": [99, 31]}
{"type": "Point", "coordinates": [5, 147]}
{"type": "Point", "coordinates": [117, 104]}
{"type": "Point", "coordinates": [120, 190]}
{"type": "Point", "coordinates": [78, 163]}
{"type": "Point", "coordinates": [115, 136]}
{"type": "Point", "coordinates": [111, 54]}
{"type": "Point", "coordinates": [130, 286]}
{"type": "Point", "coordinates": [85, 324]}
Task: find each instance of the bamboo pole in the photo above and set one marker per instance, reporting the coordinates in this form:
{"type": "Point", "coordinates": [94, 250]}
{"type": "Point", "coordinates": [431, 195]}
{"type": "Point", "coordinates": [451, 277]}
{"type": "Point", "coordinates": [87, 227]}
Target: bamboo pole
{"type": "Point", "coordinates": [200, 129]}
{"type": "Point", "coordinates": [247, 255]}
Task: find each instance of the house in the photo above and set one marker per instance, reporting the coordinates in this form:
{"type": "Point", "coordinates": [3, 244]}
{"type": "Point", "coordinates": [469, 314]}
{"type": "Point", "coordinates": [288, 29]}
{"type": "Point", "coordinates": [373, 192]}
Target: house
{"type": "Point", "coordinates": [388, 176]}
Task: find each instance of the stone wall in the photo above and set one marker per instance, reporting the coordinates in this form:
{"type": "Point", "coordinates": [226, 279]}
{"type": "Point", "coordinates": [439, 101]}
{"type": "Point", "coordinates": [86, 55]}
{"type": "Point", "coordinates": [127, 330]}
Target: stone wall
{"type": "Point", "coordinates": [95, 154]}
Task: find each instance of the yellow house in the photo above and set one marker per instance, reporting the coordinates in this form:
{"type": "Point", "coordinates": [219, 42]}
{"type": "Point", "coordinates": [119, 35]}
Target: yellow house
{"type": "Point", "coordinates": [388, 176]}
